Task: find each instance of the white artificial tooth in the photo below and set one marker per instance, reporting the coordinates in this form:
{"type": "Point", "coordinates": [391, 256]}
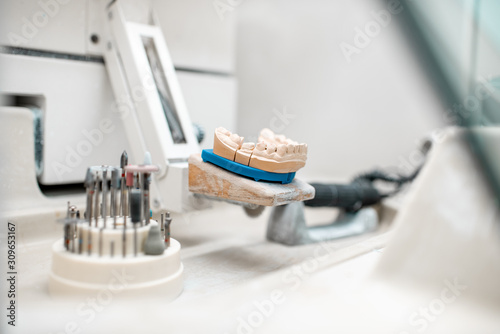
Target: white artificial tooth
{"type": "Point", "coordinates": [248, 146]}
{"type": "Point", "coordinates": [302, 148]}
{"type": "Point", "coordinates": [223, 131]}
{"type": "Point", "coordinates": [229, 142]}
{"type": "Point", "coordinates": [290, 149]}
{"type": "Point", "coordinates": [234, 137]}
{"type": "Point", "coordinates": [305, 148]}
{"type": "Point", "coordinates": [271, 148]}
{"type": "Point", "coordinates": [281, 150]}
{"type": "Point", "coordinates": [261, 146]}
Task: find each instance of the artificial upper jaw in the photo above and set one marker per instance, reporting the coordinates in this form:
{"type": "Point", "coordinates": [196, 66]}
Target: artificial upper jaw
{"type": "Point", "coordinates": [273, 153]}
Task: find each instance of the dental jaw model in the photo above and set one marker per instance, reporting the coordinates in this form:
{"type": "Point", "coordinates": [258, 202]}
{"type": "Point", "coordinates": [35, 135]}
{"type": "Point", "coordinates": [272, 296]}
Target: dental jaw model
{"type": "Point", "coordinates": [273, 153]}
{"type": "Point", "coordinates": [228, 171]}
{"type": "Point", "coordinates": [275, 158]}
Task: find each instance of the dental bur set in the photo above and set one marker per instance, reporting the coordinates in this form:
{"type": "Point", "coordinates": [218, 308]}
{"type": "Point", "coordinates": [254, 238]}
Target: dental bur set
{"type": "Point", "coordinates": [119, 195]}
{"type": "Point", "coordinates": [117, 235]}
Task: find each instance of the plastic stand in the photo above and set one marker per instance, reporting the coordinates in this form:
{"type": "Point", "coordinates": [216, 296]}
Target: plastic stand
{"type": "Point", "coordinates": [250, 172]}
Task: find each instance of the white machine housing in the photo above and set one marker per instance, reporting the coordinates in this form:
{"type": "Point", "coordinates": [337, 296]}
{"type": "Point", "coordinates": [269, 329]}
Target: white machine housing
{"type": "Point", "coordinates": [73, 76]}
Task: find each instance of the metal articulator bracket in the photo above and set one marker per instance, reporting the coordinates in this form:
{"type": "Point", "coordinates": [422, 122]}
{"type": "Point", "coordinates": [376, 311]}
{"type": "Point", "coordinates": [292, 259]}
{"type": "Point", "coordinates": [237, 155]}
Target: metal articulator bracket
{"type": "Point", "coordinates": [287, 225]}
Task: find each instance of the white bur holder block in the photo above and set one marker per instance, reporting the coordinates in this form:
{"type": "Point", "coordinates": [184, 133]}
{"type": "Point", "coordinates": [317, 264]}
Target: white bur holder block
{"type": "Point", "coordinates": [74, 274]}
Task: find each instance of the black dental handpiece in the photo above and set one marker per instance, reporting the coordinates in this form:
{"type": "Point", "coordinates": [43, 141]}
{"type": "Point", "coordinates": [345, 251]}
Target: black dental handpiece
{"type": "Point", "coordinates": [350, 197]}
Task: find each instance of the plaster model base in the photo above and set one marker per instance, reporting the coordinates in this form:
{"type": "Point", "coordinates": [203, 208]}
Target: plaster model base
{"type": "Point", "coordinates": [142, 275]}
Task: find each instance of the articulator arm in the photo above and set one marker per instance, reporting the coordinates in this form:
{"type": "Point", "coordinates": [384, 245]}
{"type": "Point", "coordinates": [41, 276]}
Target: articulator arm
{"type": "Point", "coordinates": [150, 103]}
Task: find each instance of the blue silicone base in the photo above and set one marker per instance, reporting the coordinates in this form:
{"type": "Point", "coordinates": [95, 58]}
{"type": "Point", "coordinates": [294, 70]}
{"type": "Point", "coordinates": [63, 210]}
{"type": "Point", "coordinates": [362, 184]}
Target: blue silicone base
{"type": "Point", "coordinates": [253, 173]}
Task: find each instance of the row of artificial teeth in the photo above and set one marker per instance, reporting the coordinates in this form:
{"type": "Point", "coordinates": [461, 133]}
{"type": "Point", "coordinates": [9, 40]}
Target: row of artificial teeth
{"type": "Point", "coordinates": [233, 140]}
{"type": "Point", "coordinates": [277, 140]}
{"type": "Point", "coordinates": [269, 137]}
{"type": "Point", "coordinates": [282, 149]}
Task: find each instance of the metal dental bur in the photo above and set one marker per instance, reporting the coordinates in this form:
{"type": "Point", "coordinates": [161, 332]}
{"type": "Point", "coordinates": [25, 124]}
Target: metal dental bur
{"type": "Point", "coordinates": [96, 208]}
{"type": "Point", "coordinates": [90, 185]}
{"type": "Point", "coordinates": [115, 185]}
{"type": "Point", "coordinates": [123, 201]}
{"type": "Point", "coordinates": [124, 240]}
{"type": "Point", "coordinates": [162, 226]}
{"type": "Point", "coordinates": [66, 229]}
{"type": "Point", "coordinates": [97, 204]}
{"type": "Point", "coordinates": [69, 228]}
{"type": "Point", "coordinates": [130, 185]}
{"type": "Point", "coordinates": [124, 236]}
{"type": "Point", "coordinates": [66, 236]}
{"type": "Point", "coordinates": [123, 197]}
{"type": "Point", "coordinates": [79, 233]}
{"type": "Point", "coordinates": [72, 226]}
{"type": "Point", "coordinates": [137, 185]}
{"type": "Point", "coordinates": [146, 178]}
{"type": "Point", "coordinates": [142, 183]}
{"type": "Point", "coordinates": [127, 180]}
{"type": "Point", "coordinates": [104, 212]}
{"type": "Point", "coordinates": [168, 221]}
{"type": "Point", "coordinates": [112, 198]}
{"type": "Point", "coordinates": [80, 241]}
{"type": "Point", "coordinates": [135, 213]}
{"type": "Point", "coordinates": [104, 194]}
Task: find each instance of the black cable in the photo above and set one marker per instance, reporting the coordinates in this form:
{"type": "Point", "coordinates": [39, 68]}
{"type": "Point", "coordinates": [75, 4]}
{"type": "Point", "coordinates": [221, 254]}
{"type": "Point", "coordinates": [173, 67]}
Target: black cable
{"type": "Point", "coordinates": [359, 193]}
